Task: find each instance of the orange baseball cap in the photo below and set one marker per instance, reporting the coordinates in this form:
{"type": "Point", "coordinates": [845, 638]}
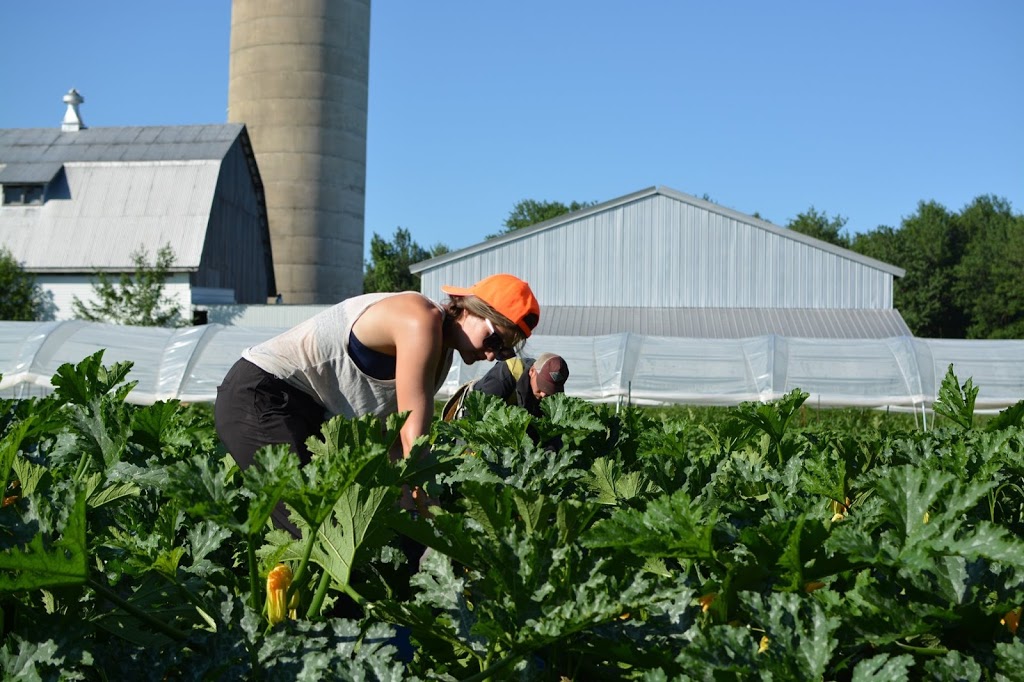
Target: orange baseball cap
{"type": "Point", "coordinates": [507, 294]}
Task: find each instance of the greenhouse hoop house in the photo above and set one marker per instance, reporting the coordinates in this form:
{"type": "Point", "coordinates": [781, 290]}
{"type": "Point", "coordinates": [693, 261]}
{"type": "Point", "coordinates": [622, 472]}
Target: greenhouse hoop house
{"type": "Point", "coordinates": [898, 373]}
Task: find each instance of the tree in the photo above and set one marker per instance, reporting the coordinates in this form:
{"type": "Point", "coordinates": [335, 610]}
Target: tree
{"type": "Point", "coordinates": [990, 277]}
{"type": "Point", "coordinates": [136, 299]}
{"type": "Point", "coordinates": [23, 299]}
{"type": "Point", "coordinates": [883, 243]}
{"type": "Point", "coordinates": [964, 272]}
{"type": "Point", "coordinates": [388, 267]}
{"type": "Point", "coordinates": [530, 212]}
{"type": "Point", "coordinates": [439, 249]}
{"type": "Point", "coordinates": [820, 226]}
{"type": "Point", "coordinates": [928, 246]}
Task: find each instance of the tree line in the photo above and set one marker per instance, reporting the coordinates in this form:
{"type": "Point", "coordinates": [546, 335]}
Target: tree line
{"type": "Point", "coordinates": [964, 270]}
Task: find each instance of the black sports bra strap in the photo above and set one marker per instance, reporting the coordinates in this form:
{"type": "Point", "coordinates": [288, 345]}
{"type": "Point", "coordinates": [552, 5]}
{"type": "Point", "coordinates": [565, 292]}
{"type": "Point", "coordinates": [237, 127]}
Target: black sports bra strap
{"type": "Point", "coordinates": [371, 362]}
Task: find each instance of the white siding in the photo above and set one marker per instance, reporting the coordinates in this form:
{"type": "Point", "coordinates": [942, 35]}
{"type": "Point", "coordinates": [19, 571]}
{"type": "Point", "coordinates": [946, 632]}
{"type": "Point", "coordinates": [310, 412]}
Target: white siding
{"type": "Point", "coordinates": [660, 251]}
{"type": "Point", "coordinates": [65, 288]}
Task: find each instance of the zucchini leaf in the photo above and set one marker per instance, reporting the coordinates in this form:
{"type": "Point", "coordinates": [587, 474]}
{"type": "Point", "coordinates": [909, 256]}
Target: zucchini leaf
{"type": "Point", "coordinates": [43, 564]}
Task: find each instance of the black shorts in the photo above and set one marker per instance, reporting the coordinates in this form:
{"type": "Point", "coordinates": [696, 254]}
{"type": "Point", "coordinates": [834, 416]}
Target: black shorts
{"type": "Point", "coordinates": [254, 408]}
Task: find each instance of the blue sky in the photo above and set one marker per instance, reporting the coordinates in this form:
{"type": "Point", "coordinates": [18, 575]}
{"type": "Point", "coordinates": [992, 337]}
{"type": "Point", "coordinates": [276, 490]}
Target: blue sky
{"type": "Point", "coordinates": [859, 109]}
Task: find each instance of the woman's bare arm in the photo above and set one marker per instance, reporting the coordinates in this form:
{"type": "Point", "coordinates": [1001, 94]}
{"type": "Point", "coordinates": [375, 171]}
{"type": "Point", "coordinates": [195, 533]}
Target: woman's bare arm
{"type": "Point", "coordinates": [409, 326]}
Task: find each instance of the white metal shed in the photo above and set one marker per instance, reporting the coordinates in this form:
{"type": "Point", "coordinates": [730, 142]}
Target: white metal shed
{"type": "Point", "coordinates": [691, 267]}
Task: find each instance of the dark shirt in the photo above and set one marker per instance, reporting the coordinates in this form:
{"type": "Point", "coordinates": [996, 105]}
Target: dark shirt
{"type": "Point", "coordinates": [500, 382]}
{"type": "Point", "coordinates": [371, 362]}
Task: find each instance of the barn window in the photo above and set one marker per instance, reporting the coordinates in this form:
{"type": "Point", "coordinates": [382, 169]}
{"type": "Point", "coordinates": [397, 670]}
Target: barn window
{"type": "Point", "coordinates": [26, 194]}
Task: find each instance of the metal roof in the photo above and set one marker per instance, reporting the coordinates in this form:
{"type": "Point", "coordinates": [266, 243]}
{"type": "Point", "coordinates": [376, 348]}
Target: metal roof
{"type": "Point", "coordinates": [122, 190]}
{"type": "Point", "coordinates": [117, 209]}
{"type": "Point", "coordinates": [128, 143]}
{"type": "Point", "coordinates": [723, 323]}
{"type": "Point", "coordinates": [16, 173]}
{"type": "Point", "coordinates": [555, 223]}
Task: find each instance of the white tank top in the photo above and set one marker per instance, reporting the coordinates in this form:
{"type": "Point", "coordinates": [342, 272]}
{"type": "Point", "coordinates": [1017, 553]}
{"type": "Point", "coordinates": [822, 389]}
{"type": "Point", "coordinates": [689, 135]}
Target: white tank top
{"type": "Point", "coordinates": [313, 357]}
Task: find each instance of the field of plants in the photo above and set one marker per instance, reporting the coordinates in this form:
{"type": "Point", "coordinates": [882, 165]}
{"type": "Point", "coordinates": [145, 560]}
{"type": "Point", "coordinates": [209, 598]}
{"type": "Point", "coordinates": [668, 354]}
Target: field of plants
{"type": "Point", "coordinates": [758, 542]}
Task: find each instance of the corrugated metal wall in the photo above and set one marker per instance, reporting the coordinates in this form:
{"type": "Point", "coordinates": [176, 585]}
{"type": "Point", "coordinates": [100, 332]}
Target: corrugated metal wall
{"type": "Point", "coordinates": [235, 251]}
{"type": "Point", "coordinates": [658, 251]}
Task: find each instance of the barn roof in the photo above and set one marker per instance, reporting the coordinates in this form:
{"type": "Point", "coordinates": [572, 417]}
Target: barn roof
{"type": "Point", "coordinates": [113, 192]}
{"type": "Point", "coordinates": [36, 146]}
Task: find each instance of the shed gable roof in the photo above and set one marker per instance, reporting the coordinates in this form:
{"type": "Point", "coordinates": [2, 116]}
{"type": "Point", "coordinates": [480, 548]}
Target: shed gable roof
{"type": "Point", "coordinates": [555, 223]}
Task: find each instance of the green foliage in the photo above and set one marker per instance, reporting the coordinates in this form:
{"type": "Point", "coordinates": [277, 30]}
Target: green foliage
{"type": "Point", "coordinates": [134, 299]}
{"type": "Point", "coordinates": [673, 526]}
{"type": "Point", "coordinates": [39, 565]}
{"type": "Point", "coordinates": [956, 403]}
{"type": "Point", "coordinates": [964, 271]}
{"type": "Point", "coordinates": [932, 244]}
{"type": "Point", "coordinates": [1011, 416]}
{"type": "Point", "coordinates": [928, 246]}
{"type": "Point", "coordinates": [388, 267]}
{"type": "Point", "coordinates": [989, 284]}
{"type": "Point", "coordinates": [23, 298]}
{"type": "Point", "coordinates": [747, 543]}
{"type": "Point", "coordinates": [820, 226]}
{"type": "Point", "coordinates": [771, 420]}
{"type": "Point", "coordinates": [530, 212]}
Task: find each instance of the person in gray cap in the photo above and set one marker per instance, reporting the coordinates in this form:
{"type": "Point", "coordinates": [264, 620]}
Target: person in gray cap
{"type": "Point", "coordinates": [525, 382]}
{"type": "Point", "coordinates": [518, 381]}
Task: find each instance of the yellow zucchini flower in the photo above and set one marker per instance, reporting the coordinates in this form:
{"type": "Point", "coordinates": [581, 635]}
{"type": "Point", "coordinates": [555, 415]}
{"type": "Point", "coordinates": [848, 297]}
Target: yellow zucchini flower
{"type": "Point", "coordinates": [279, 579]}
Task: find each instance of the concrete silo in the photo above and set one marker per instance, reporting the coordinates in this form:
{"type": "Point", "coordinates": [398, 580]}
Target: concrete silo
{"type": "Point", "coordinates": [299, 75]}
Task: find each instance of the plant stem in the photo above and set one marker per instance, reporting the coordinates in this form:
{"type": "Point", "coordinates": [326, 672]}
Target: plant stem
{"type": "Point", "coordinates": [490, 670]}
{"type": "Point", "coordinates": [318, 597]}
{"type": "Point", "coordinates": [80, 471]}
{"type": "Point", "coordinates": [134, 610]}
{"type": "Point", "coordinates": [254, 577]}
{"type": "Point", "coordinates": [356, 597]}
{"type": "Point", "coordinates": [924, 650]}
{"type": "Point", "coordinates": [300, 574]}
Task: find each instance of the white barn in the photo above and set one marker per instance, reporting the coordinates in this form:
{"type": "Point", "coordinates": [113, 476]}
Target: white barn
{"type": "Point", "coordinates": [78, 200]}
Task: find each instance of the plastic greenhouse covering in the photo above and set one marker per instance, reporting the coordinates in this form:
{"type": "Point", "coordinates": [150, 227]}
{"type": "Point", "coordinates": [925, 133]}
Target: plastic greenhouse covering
{"type": "Point", "coordinates": [897, 373]}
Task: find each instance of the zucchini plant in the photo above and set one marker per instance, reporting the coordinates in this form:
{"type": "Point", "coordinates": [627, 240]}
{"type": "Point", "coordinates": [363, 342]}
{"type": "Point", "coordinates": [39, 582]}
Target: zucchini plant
{"type": "Point", "coordinates": [585, 544]}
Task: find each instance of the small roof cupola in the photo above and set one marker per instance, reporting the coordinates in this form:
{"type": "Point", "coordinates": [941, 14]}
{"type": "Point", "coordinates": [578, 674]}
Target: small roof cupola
{"type": "Point", "coordinates": [72, 119]}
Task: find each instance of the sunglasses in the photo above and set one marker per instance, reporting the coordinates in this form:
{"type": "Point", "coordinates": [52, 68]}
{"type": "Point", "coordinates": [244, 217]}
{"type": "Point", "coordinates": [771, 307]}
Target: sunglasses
{"type": "Point", "coordinates": [496, 344]}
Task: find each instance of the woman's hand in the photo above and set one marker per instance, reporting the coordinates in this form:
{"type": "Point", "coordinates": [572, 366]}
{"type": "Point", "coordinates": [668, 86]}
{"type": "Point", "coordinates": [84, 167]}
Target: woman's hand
{"type": "Point", "coordinates": [416, 500]}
